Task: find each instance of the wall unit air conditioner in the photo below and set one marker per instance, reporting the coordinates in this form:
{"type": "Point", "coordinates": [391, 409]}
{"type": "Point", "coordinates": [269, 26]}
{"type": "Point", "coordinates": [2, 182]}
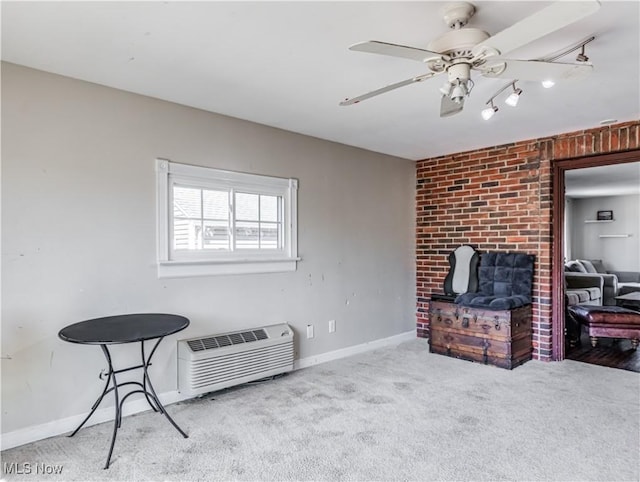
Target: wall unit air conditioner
{"type": "Point", "coordinates": [214, 362]}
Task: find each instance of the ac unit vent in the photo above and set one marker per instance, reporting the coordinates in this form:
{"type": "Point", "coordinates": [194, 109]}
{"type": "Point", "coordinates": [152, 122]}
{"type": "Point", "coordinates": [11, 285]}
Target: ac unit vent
{"type": "Point", "coordinates": [227, 340]}
{"type": "Point", "coordinates": [220, 361]}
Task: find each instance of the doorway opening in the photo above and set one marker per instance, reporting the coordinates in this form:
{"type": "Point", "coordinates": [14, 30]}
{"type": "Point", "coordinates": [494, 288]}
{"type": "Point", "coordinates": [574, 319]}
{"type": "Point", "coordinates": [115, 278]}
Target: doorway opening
{"type": "Point", "coordinates": [560, 168]}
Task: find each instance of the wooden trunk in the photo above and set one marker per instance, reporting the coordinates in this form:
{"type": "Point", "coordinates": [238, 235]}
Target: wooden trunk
{"type": "Point", "coordinates": [500, 338]}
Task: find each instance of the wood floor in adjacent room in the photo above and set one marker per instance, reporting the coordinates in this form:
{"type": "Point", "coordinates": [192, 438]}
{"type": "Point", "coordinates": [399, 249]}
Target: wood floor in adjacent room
{"type": "Point", "coordinates": [608, 353]}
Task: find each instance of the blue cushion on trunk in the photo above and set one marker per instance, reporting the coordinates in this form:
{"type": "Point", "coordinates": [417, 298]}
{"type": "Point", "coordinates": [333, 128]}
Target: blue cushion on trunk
{"type": "Point", "coordinates": [505, 282]}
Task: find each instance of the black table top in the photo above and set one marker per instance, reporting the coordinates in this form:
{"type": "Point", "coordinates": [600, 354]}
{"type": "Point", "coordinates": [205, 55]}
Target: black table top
{"type": "Point", "coordinates": [123, 328]}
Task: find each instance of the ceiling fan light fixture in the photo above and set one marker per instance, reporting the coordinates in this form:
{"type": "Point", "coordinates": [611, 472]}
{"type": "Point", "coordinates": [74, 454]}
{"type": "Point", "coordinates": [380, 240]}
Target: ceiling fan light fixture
{"type": "Point", "coordinates": [457, 94]}
{"type": "Point", "coordinates": [514, 97]}
{"type": "Point", "coordinates": [446, 88]}
{"type": "Point", "coordinates": [548, 83]}
{"type": "Point", "coordinates": [489, 111]}
{"type": "Point", "coordinates": [459, 91]}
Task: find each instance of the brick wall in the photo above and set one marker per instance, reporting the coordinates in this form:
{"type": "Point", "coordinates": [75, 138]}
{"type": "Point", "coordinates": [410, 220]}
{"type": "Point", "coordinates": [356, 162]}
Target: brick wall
{"type": "Point", "coordinates": [500, 198]}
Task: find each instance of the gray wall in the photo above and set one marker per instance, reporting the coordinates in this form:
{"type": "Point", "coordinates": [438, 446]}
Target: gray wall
{"type": "Point", "coordinates": [78, 236]}
{"type": "Point", "coordinates": [568, 228]}
{"type": "Point", "coordinates": [618, 254]}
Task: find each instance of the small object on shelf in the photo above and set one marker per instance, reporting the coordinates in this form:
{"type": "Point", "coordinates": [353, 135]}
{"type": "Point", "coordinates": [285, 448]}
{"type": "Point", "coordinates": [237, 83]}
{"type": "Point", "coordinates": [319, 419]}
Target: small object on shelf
{"type": "Point", "coordinates": [605, 216]}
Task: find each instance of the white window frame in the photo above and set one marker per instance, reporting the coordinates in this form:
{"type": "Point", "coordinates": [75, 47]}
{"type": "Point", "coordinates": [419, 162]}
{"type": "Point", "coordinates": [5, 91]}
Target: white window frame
{"type": "Point", "coordinates": [204, 262]}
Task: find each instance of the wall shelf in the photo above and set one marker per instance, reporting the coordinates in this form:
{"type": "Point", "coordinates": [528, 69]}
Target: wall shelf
{"type": "Point", "coordinates": [587, 221]}
{"type": "Point", "coordinates": [615, 236]}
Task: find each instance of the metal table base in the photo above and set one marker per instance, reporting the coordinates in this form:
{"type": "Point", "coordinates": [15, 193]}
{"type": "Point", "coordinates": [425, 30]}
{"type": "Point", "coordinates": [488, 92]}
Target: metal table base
{"type": "Point", "coordinates": [145, 388]}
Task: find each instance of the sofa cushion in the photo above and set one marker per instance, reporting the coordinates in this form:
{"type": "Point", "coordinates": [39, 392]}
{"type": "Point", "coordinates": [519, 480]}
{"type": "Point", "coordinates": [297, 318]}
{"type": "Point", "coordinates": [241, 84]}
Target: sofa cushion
{"type": "Point", "coordinates": [627, 276]}
{"type": "Point", "coordinates": [594, 293]}
{"type": "Point", "coordinates": [598, 265]}
{"type": "Point", "coordinates": [588, 265]}
{"type": "Point", "coordinates": [572, 298]}
{"type": "Point", "coordinates": [583, 295]}
{"type": "Point", "coordinates": [575, 266]}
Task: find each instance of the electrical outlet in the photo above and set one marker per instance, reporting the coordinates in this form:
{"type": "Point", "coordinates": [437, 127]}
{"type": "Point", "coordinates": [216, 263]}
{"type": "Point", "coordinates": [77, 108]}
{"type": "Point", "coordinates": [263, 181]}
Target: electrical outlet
{"type": "Point", "coordinates": [332, 326]}
{"type": "Point", "coordinates": [309, 331]}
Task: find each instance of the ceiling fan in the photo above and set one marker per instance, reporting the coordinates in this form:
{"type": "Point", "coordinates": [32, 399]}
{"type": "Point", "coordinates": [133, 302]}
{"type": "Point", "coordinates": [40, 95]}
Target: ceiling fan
{"type": "Point", "coordinates": [464, 49]}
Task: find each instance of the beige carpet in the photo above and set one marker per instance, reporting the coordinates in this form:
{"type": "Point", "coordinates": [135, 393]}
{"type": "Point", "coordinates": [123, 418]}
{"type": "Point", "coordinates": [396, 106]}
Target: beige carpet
{"type": "Point", "coordinates": [397, 413]}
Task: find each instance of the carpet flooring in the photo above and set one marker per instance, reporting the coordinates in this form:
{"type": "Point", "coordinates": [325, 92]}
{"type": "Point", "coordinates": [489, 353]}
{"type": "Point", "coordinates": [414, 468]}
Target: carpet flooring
{"type": "Point", "coordinates": [397, 413]}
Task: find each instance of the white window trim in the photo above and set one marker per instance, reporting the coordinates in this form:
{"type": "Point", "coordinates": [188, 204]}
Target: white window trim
{"type": "Point", "coordinates": [229, 263]}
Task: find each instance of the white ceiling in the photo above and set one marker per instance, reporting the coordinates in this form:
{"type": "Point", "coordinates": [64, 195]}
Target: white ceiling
{"type": "Point", "coordinates": [614, 180]}
{"type": "Point", "coordinates": [287, 65]}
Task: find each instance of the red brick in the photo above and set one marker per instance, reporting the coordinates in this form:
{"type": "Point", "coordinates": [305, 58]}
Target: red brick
{"type": "Point", "coordinates": [516, 214]}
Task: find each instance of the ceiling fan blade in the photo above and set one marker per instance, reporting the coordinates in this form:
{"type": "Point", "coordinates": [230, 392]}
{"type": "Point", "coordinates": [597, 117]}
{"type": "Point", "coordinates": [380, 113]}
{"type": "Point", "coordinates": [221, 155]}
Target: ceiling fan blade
{"type": "Point", "coordinates": [549, 19]}
{"type": "Point", "coordinates": [449, 107]}
{"type": "Point", "coordinates": [394, 50]}
{"type": "Point", "coordinates": [397, 85]}
{"type": "Point", "coordinates": [536, 70]}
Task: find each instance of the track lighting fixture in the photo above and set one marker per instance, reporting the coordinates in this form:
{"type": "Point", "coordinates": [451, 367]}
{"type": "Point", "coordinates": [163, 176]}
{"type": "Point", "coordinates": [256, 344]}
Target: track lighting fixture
{"type": "Point", "coordinates": [512, 100]}
{"type": "Point", "coordinates": [581, 56]}
{"type": "Point", "coordinates": [489, 111]}
{"type": "Point", "coordinates": [514, 97]}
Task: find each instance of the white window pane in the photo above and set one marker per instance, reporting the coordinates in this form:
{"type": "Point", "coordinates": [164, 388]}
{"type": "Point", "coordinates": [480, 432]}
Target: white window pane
{"type": "Point", "coordinates": [247, 206]}
{"type": "Point", "coordinates": [186, 234]}
{"type": "Point", "coordinates": [269, 238]}
{"type": "Point", "coordinates": [186, 202]}
{"type": "Point", "coordinates": [215, 204]}
{"type": "Point", "coordinates": [269, 208]}
{"type": "Point", "coordinates": [206, 214]}
{"type": "Point", "coordinates": [247, 235]}
{"type": "Point", "coordinates": [216, 235]}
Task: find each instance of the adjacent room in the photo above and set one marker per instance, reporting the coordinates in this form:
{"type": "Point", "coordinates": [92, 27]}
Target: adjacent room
{"type": "Point", "coordinates": [320, 240]}
{"type": "Point", "coordinates": [602, 226]}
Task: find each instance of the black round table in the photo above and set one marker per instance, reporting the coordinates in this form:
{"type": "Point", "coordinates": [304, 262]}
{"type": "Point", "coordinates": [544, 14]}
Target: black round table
{"type": "Point", "coordinates": [113, 330]}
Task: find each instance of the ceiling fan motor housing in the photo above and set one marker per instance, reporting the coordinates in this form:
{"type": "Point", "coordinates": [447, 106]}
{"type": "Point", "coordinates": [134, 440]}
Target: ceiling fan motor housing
{"type": "Point", "coordinates": [460, 71]}
{"type": "Point", "coordinates": [458, 43]}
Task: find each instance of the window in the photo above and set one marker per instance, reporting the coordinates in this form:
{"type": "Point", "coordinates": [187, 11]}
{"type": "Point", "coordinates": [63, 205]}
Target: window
{"type": "Point", "coordinates": [221, 222]}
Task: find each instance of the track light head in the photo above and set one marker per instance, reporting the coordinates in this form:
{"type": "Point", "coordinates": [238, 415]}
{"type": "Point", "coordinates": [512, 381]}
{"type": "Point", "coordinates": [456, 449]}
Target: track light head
{"type": "Point", "coordinates": [489, 111]}
{"type": "Point", "coordinates": [514, 97]}
{"type": "Point", "coordinates": [582, 57]}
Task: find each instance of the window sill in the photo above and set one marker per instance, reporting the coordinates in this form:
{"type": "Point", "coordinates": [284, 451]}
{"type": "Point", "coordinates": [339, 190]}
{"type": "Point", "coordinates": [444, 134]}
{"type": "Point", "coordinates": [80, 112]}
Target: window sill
{"type": "Point", "coordinates": [184, 269]}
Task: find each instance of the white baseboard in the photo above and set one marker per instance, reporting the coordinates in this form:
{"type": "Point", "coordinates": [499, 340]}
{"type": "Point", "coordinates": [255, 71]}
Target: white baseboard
{"type": "Point", "coordinates": [66, 425]}
{"type": "Point", "coordinates": [353, 350]}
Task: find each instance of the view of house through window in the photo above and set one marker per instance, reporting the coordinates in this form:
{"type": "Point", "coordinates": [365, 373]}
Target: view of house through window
{"type": "Point", "coordinates": [212, 221]}
{"type": "Point", "coordinates": [206, 219]}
